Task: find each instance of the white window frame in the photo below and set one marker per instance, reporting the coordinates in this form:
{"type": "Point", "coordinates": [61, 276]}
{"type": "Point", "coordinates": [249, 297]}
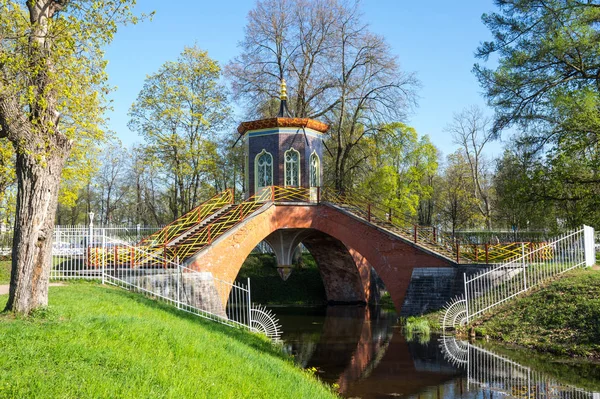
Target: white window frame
{"type": "Point", "coordinates": [285, 168]}
{"type": "Point", "coordinates": [256, 166]}
{"type": "Point", "coordinates": [314, 155]}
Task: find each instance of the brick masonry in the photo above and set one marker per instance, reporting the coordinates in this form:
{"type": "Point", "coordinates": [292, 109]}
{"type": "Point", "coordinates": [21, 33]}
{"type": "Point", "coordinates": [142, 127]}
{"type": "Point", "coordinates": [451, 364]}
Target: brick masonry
{"type": "Point", "coordinates": [393, 258]}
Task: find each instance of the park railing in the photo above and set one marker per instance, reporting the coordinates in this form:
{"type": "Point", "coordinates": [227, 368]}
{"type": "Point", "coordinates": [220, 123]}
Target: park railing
{"type": "Point", "coordinates": [497, 375]}
{"type": "Point", "coordinates": [193, 291]}
{"type": "Point", "coordinates": [490, 288]}
{"type": "Point", "coordinates": [428, 236]}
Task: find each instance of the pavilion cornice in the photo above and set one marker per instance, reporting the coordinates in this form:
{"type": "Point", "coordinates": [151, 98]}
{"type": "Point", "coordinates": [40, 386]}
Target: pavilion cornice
{"type": "Point", "coordinates": [282, 122]}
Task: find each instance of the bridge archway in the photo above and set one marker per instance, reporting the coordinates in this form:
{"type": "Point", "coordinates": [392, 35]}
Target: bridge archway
{"type": "Point", "coordinates": [392, 257]}
{"type": "Point", "coordinates": [345, 280]}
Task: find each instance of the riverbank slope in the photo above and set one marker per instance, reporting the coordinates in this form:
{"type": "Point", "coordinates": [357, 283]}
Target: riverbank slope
{"type": "Point", "coordinates": [102, 342]}
{"type": "Point", "coordinates": [562, 317]}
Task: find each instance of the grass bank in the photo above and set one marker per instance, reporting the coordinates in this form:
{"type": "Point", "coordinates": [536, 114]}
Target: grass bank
{"type": "Point", "coordinates": [303, 287]}
{"type": "Point", "coordinates": [101, 342]}
{"type": "Point", "coordinates": [563, 317]}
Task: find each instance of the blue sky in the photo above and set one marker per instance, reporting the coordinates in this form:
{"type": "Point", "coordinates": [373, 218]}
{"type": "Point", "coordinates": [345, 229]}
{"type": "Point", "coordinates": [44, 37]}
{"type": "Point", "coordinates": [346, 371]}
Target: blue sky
{"type": "Point", "coordinates": [435, 39]}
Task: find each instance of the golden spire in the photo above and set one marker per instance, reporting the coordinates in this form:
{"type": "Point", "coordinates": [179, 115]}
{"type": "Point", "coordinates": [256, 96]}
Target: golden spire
{"type": "Point", "coordinates": [283, 95]}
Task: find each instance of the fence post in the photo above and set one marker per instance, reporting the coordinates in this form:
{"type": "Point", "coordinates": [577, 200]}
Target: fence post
{"type": "Point", "coordinates": [369, 212]}
{"type": "Point", "coordinates": [179, 277]}
{"type": "Point", "coordinates": [103, 249]}
{"type": "Point", "coordinates": [415, 233]}
{"type": "Point", "coordinates": [318, 194]}
{"type": "Point", "coordinates": [90, 229]}
{"type": "Point", "coordinates": [466, 296]}
{"type": "Point", "coordinates": [434, 234]}
{"type": "Point", "coordinates": [249, 306]}
{"type": "Point", "coordinates": [524, 266]}
{"type": "Point", "coordinates": [589, 245]}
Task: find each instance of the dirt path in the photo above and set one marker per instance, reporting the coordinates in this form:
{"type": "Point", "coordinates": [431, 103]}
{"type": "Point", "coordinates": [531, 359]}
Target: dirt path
{"type": "Point", "coordinates": [4, 288]}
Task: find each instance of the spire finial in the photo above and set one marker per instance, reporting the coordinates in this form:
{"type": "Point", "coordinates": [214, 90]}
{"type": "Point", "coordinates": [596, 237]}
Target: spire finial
{"type": "Point", "coordinates": [284, 112]}
{"type": "Point", "coordinates": [283, 95]}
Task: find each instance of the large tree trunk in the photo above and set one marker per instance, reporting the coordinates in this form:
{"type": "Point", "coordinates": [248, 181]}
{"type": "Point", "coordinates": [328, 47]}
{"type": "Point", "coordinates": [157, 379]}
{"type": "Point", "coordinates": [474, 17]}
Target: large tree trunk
{"type": "Point", "coordinates": [37, 197]}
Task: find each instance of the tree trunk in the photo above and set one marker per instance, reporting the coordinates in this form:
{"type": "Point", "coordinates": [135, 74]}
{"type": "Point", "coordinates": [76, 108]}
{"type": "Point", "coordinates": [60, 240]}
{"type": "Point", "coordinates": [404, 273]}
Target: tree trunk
{"type": "Point", "coordinates": [37, 199]}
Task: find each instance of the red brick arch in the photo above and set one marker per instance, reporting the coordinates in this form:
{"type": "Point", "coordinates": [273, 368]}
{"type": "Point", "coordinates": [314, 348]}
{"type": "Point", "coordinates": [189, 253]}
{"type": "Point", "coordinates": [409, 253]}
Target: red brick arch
{"type": "Point", "coordinates": [392, 257]}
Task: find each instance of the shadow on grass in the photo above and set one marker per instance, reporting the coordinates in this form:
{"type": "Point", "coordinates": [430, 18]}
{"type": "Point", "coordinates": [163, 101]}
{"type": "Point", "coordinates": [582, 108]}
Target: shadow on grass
{"type": "Point", "coordinates": [251, 340]}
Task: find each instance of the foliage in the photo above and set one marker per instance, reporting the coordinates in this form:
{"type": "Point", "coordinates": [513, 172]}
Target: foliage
{"type": "Point", "coordinates": [5, 271]}
{"type": "Point", "coordinates": [547, 84]}
{"type": "Point", "coordinates": [517, 204]}
{"type": "Point", "coordinates": [136, 347]}
{"type": "Point", "coordinates": [7, 182]}
{"type": "Point", "coordinates": [416, 329]}
{"type": "Point", "coordinates": [560, 318]}
{"type": "Point", "coordinates": [457, 205]}
{"type": "Point", "coordinates": [52, 94]}
{"type": "Point", "coordinates": [399, 166]}
{"type": "Point", "coordinates": [178, 112]}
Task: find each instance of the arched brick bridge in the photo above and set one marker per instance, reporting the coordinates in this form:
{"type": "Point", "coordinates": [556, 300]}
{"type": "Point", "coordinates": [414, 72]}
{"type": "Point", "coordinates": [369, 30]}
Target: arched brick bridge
{"type": "Point", "coordinates": [344, 246]}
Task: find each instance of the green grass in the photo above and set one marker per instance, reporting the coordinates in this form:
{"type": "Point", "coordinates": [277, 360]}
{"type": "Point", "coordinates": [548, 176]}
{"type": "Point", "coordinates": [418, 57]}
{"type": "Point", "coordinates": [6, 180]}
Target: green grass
{"type": "Point", "coordinates": [303, 287]}
{"type": "Point", "coordinates": [416, 329]}
{"type": "Point", "coordinates": [562, 317]}
{"type": "Point", "coordinates": [5, 272]}
{"type": "Point", "coordinates": [101, 342]}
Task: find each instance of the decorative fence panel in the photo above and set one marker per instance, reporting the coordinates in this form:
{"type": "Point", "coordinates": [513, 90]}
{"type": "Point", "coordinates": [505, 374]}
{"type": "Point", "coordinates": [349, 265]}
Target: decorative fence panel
{"type": "Point", "coordinates": [493, 287]}
{"type": "Point", "coordinates": [536, 265]}
{"type": "Point", "coordinates": [89, 253]}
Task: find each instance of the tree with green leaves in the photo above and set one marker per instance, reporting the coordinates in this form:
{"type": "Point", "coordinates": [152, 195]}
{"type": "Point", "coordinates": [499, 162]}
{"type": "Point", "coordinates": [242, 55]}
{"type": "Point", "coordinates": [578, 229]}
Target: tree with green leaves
{"type": "Point", "coordinates": [518, 204]}
{"type": "Point", "coordinates": [457, 204]}
{"type": "Point", "coordinates": [547, 83]}
{"type": "Point", "coordinates": [52, 92]}
{"type": "Point", "coordinates": [179, 112]}
{"type": "Point", "coordinates": [399, 165]}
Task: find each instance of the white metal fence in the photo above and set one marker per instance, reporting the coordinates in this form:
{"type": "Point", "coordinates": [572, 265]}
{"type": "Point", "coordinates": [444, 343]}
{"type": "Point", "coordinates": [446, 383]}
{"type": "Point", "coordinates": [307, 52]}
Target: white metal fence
{"type": "Point", "coordinates": [495, 286]}
{"type": "Point", "coordinates": [493, 373]}
{"type": "Point", "coordinates": [85, 252]}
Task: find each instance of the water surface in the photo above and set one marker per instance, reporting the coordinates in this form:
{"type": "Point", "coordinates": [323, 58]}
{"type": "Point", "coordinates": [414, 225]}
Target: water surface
{"type": "Point", "coordinates": [364, 351]}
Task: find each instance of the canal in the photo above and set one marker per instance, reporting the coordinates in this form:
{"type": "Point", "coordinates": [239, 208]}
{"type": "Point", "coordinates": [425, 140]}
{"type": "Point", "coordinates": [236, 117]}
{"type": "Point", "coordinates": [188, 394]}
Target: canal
{"type": "Point", "coordinates": [364, 351]}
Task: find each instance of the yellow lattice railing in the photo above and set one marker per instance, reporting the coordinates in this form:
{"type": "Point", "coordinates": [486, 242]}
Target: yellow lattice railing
{"type": "Point", "coordinates": [431, 237]}
{"type": "Point", "coordinates": [156, 250]}
{"type": "Point", "coordinates": [496, 253]}
{"type": "Point", "coordinates": [162, 246]}
{"type": "Point", "coordinates": [189, 220]}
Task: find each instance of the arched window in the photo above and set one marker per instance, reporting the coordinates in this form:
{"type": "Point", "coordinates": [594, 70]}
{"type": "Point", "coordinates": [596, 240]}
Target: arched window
{"type": "Point", "coordinates": [292, 167]}
{"type": "Point", "coordinates": [263, 170]}
{"type": "Point", "coordinates": [315, 169]}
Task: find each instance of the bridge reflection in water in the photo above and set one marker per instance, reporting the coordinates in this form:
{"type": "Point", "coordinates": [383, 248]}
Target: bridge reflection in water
{"type": "Point", "coordinates": [365, 353]}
